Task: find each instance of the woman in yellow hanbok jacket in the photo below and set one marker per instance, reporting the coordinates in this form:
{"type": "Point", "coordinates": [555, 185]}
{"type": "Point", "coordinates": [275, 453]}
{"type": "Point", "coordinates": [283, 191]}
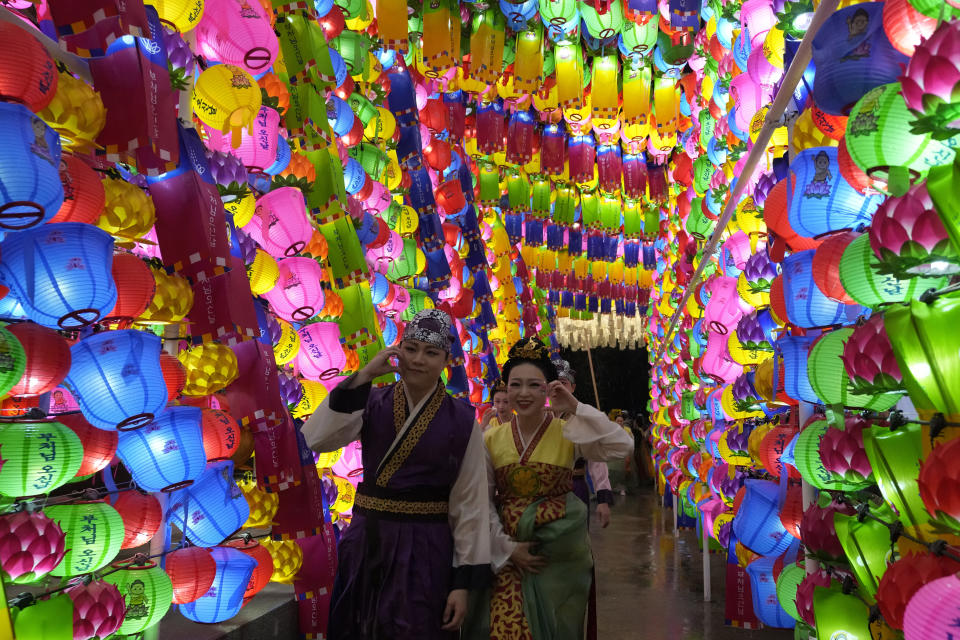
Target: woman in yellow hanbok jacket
{"type": "Point", "coordinates": [540, 548]}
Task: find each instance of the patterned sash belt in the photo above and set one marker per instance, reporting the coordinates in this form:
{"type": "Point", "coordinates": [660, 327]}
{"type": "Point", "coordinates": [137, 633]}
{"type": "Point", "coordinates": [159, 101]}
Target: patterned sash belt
{"type": "Point", "coordinates": [422, 504]}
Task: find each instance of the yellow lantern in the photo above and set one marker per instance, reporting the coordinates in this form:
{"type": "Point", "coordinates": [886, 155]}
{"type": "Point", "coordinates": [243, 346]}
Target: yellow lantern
{"type": "Point", "coordinates": [328, 459]}
{"type": "Point", "coordinates": [182, 14]}
{"type": "Point", "coordinates": [263, 273]}
{"type": "Point", "coordinates": [745, 357]}
{"type": "Point", "coordinates": [210, 367]}
{"type": "Point", "coordinates": [172, 299]}
{"type": "Point", "coordinates": [128, 212]}
{"type": "Point", "coordinates": [76, 113]}
{"type": "Point", "coordinates": [288, 346]}
{"type": "Point", "coordinates": [346, 494]}
{"type": "Point", "coordinates": [287, 559]}
{"type": "Point", "coordinates": [242, 209]}
{"type": "Point", "coordinates": [313, 395]}
{"type": "Point", "coordinates": [381, 127]}
{"type": "Point", "coordinates": [806, 135]}
{"type": "Point", "coordinates": [227, 98]}
{"type": "Point", "coordinates": [262, 505]}
{"type": "Point", "coordinates": [755, 299]}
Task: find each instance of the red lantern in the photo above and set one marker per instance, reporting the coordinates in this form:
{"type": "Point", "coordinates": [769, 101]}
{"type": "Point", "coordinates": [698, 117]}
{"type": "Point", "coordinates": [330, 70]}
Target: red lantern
{"type": "Point", "coordinates": [778, 303]}
{"type": "Point", "coordinates": [29, 75]}
{"type": "Point", "coordinates": [48, 359]}
{"type": "Point", "coordinates": [142, 516]}
{"type": "Point", "coordinates": [333, 23]}
{"type": "Point", "coordinates": [136, 286]}
{"type": "Point", "coordinates": [31, 545]}
{"type": "Point", "coordinates": [853, 174]}
{"type": "Point", "coordinates": [99, 446]}
{"type": "Point", "coordinates": [826, 266]}
{"type": "Point", "coordinates": [83, 194]}
{"type": "Point", "coordinates": [262, 572]}
{"type": "Point", "coordinates": [905, 26]}
{"type": "Point", "coordinates": [437, 154]}
{"type": "Point", "coordinates": [98, 609]}
{"type": "Point", "coordinates": [775, 216]}
{"type": "Point", "coordinates": [791, 514]}
{"type": "Point", "coordinates": [192, 571]}
{"type": "Point", "coordinates": [939, 483]}
{"type": "Point", "coordinates": [345, 90]}
{"type": "Point", "coordinates": [772, 446]}
{"type": "Point", "coordinates": [830, 125]}
{"type": "Point", "coordinates": [173, 374]}
{"type": "Point", "coordinates": [904, 578]}
{"type": "Point", "coordinates": [221, 434]}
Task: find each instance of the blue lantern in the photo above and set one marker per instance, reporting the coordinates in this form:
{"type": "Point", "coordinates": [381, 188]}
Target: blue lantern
{"type": "Point", "coordinates": [823, 201]}
{"type": "Point", "coordinates": [210, 509]}
{"type": "Point", "coordinates": [793, 352]}
{"type": "Point", "coordinates": [30, 188]}
{"type": "Point", "coordinates": [853, 55]}
{"type": "Point", "coordinates": [60, 273]}
{"type": "Point", "coordinates": [806, 305]}
{"type": "Point", "coordinates": [225, 597]}
{"type": "Point", "coordinates": [757, 524]}
{"type": "Point", "coordinates": [117, 380]}
{"type": "Point", "coordinates": [168, 453]}
{"type": "Point", "coordinates": [283, 157]}
{"type": "Point", "coordinates": [764, 591]}
{"type": "Point", "coordinates": [354, 177]}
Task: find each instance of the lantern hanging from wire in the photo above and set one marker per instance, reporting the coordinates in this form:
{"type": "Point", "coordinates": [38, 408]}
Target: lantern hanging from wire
{"type": "Point", "coordinates": [30, 189]}
{"type": "Point", "coordinates": [806, 305]}
{"type": "Point", "coordinates": [38, 457]}
{"type": "Point", "coordinates": [225, 596]}
{"type": "Point", "coordinates": [31, 545]}
{"type": "Point", "coordinates": [167, 453]}
{"type": "Point", "coordinates": [809, 462]}
{"type": "Point", "coordinates": [826, 266]}
{"type": "Point", "coordinates": [142, 516]}
{"type": "Point", "coordinates": [60, 273]}
{"type": "Point", "coordinates": [869, 360]}
{"type": "Point", "coordinates": [838, 614]}
{"type": "Point", "coordinates": [212, 508]}
{"type": "Point", "coordinates": [147, 590]}
{"type": "Point", "coordinates": [861, 278]}
{"type": "Point", "coordinates": [221, 434]}
{"type": "Point", "coordinates": [128, 212]}
{"type": "Point", "coordinates": [99, 445]}
{"type": "Point", "coordinates": [938, 488]}
{"type": "Point", "coordinates": [13, 360]}
{"type": "Point", "coordinates": [94, 533]}
{"type": "Point", "coordinates": [904, 578]}
{"type": "Point", "coordinates": [191, 571]}
{"type": "Point", "coordinates": [237, 33]}
{"type": "Point", "coordinates": [257, 150]}
{"type": "Point", "coordinates": [31, 77]}
{"type": "Point", "coordinates": [262, 571]}
{"type": "Point", "coordinates": [895, 457]}
{"type": "Point", "coordinates": [298, 295]}
{"type": "Point", "coordinates": [227, 98]}
{"type": "Point", "coordinates": [321, 356]}
{"type": "Point", "coordinates": [76, 113]}
{"type": "Point", "coordinates": [116, 378]}
{"type": "Point", "coordinates": [182, 15]}
{"type": "Point", "coordinates": [763, 591]}
{"type": "Point", "coordinates": [830, 381]}
{"type": "Point", "coordinates": [262, 505]}
{"type": "Point", "coordinates": [279, 224]}
{"type": "Point", "coordinates": [47, 359]}
{"type": "Point", "coordinates": [135, 286]}
{"type": "Point", "coordinates": [757, 523]}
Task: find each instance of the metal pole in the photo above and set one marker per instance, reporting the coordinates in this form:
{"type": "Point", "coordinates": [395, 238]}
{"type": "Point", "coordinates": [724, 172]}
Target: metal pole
{"type": "Point", "coordinates": [706, 562]}
{"type": "Point", "coordinates": [770, 123]}
{"type": "Point", "coordinates": [807, 491]}
{"type": "Point", "coordinates": [593, 378]}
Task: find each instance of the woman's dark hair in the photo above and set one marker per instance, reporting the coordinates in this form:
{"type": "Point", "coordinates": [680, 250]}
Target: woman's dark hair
{"type": "Point", "coordinates": [530, 351]}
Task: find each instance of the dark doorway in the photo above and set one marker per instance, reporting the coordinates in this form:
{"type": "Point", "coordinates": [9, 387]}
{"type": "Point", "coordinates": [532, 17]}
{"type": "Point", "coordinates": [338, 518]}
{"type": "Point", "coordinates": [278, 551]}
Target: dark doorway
{"type": "Point", "coordinates": [621, 378]}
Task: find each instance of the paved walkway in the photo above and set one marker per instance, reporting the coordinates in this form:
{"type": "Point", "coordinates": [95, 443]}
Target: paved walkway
{"type": "Point", "coordinates": [650, 582]}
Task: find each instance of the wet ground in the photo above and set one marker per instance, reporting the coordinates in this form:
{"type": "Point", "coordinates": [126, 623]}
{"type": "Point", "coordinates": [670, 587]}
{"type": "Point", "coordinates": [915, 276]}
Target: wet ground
{"type": "Point", "coordinates": [650, 580]}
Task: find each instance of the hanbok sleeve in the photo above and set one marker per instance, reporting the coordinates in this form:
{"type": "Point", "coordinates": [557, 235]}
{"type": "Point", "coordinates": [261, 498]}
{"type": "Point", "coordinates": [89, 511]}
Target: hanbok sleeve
{"type": "Point", "coordinates": [600, 474]}
{"type": "Point", "coordinates": [599, 437]}
{"type": "Point", "coordinates": [501, 545]}
{"type": "Point", "coordinates": [339, 418]}
{"type": "Point", "coordinates": [469, 506]}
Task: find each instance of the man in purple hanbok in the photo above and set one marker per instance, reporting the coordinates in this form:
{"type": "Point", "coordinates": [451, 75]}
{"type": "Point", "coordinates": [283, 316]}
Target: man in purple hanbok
{"type": "Point", "coordinates": [419, 539]}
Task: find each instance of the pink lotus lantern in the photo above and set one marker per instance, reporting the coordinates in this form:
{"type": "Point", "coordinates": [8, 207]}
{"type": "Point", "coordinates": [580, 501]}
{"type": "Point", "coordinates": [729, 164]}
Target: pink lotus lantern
{"type": "Point", "coordinates": [279, 224]}
{"type": "Point", "coordinates": [237, 32]}
{"type": "Point", "coordinates": [804, 597]}
{"type": "Point", "coordinates": [298, 295]}
{"type": "Point", "coordinates": [844, 455]}
{"type": "Point", "coordinates": [257, 151]}
{"type": "Point", "coordinates": [321, 355]}
{"type": "Point", "coordinates": [98, 610]}
{"type": "Point", "coordinates": [31, 545]}
{"type": "Point", "coordinates": [927, 614]}
{"type": "Point", "coordinates": [819, 533]}
{"type": "Point", "coordinates": [904, 578]}
{"type": "Point", "coordinates": [908, 237]}
{"type": "Point", "coordinates": [869, 360]}
{"type": "Point", "coordinates": [929, 86]}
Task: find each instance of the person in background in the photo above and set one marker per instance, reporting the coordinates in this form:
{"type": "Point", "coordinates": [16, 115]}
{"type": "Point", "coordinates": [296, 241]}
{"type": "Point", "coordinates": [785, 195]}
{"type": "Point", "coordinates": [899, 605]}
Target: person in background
{"type": "Point", "coordinates": [598, 472]}
{"type": "Point", "coordinates": [541, 549]}
{"type": "Point", "coordinates": [420, 536]}
{"type": "Point", "coordinates": [500, 411]}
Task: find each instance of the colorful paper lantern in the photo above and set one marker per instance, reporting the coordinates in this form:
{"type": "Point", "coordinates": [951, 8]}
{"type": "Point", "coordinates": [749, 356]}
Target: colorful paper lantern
{"type": "Point", "coordinates": [135, 286]}
{"type": "Point", "coordinates": [31, 545]}
{"type": "Point", "coordinates": [38, 457]}
{"type": "Point", "coordinates": [298, 295]}
{"type": "Point", "coordinates": [279, 223]}
{"type": "Point", "coordinates": [226, 98]}
{"type": "Point", "coordinates": [904, 578]}
{"type": "Point", "coordinates": [116, 378]}
{"type": "Point", "coordinates": [221, 434]}
{"type": "Point", "coordinates": [212, 508]}
{"type": "Point", "coordinates": [804, 596]}
{"type": "Point", "coordinates": [937, 483]}
{"type": "Point", "coordinates": [262, 571]}
{"type": "Point", "coordinates": [826, 265]}
{"type": "Point", "coordinates": [98, 610]}
{"type": "Point", "coordinates": [787, 582]}
{"type": "Point", "coordinates": [806, 305]}
{"type": "Point", "coordinates": [128, 212]}
{"type": "Point", "coordinates": [174, 375]}
{"type": "Point", "coordinates": [99, 445]}
{"type": "Point", "coordinates": [210, 367]}
{"type": "Point", "coordinates": [94, 533]}
{"type": "Point", "coordinates": [191, 571]}
{"type": "Point", "coordinates": [862, 280]}
{"type": "Point", "coordinates": [931, 77]}
{"type": "Point", "coordinates": [47, 357]}
{"type": "Point", "coordinates": [809, 463]}
{"type": "Point", "coordinates": [839, 615]}
{"type": "Point", "coordinates": [287, 559]}
{"type": "Point", "coordinates": [757, 523]}
{"type": "Point", "coordinates": [30, 189]}
{"type": "Point", "coordinates": [83, 194]}
{"type": "Point", "coordinates": [147, 591]}
{"type": "Point", "coordinates": [142, 516]}
{"type": "Point", "coordinates": [924, 616]}
{"type": "Point", "coordinates": [237, 34]}
{"type": "Point", "coordinates": [60, 273]}
{"type": "Point", "coordinates": [262, 505]}
{"type": "Point", "coordinates": [225, 596]}
{"type": "Point", "coordinates": [167, 453]}
{"type": "Point", "coordinates": [763, 590]}
{"type": "Point", "coordinates": [895, 457]}
{"type": "Point", "coordinates": [830, 381]}
{"type": "Point", "coordinates": [31, 76]}
{"type": "Point", "coordinates": [184, 15]}
{"type": "Point", "coordinates": [869, 360]}
{"type": "Point", "coordinates": [321, 356]}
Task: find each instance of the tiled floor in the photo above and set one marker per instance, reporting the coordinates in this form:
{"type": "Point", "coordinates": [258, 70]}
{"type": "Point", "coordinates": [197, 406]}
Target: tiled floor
{"type": "Point", "coordinates": [650, 582]}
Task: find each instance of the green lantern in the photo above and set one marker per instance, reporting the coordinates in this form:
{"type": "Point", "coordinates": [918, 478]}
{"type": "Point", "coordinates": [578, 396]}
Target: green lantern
{"type": "Point", "coordinates": [651, 222]}
{"type": "Point", "coordinates": [13, 361]}
{"type": "Point", "coordinates": [698, 224]}
{"type": "Point", "coordinates": [675, 49]}
{"type": "Point", "coordinates": [639, 39]}
{"type": "Point", "coordinates": [839, 615]}
{"type": "Point", "coordinates": [941, 185]}
{"type": "Point", "coordinates": [557, 12]}
{"type": "Point", "coordinates": [94, 532]}
{"type": "Point", "coordinates": [688, 408]}
{"type": "Point", "coordinates": [418, 302]}
{"type": "Point", "coordinates": [540, 197]}
{"type": "Point", "coordinates": [881, 143]}
{"type": "Point", "coordinates": [895, 457]}
{"type": "Point", "coordinates": [830, 381]}
{"type": "Point", "coordinates": [602, 26]}
{"type": "Point", "coordinates": [408, 263]}
{"type": "Point", "coordinates": [350, 46]}
{"type": "Point", "coordinates": [925, 343]}
{"type": "Point", "coordinates": [37, 457]}
{"type": "Point", "coordinates": [373, 160]}
{"type": "Point", "coordinates": [863, 283]}
{"type": "Point", "coordinates": [362, 107]}
{"type": "Point", "coordinates": [611, 218]}
{"type": "Point", "coordinates": [632, 219]}
{"type": "Point", "coordinates": [50, 619]}
{"type": "Point", "coordinates": [807, 455]}
{"type": "Point", "coordinates": [148, 593]}
{"type": "Point", "coordinates": [590, 209]}
{"type": "Point", "coordinates": [867, 547]}
{"type": "Point", "coordinates": [790, 578]}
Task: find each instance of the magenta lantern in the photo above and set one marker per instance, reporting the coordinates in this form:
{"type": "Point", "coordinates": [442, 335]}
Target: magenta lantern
{"type": "Point", "coordinates": [279, 223]}
{"type": "Point", "coordinates": [257, 151]}
{"type": "Point", "coordinates": [237, 32]}
{"type": "Point", "coordinates": [928, 614]}
{"type": "Point", "coordinates": [320, 356]}
{"type": "Point", "coordinates": [298, 294]}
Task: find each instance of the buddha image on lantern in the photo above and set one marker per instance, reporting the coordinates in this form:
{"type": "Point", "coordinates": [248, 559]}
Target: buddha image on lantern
{"type": "Point", "coordinates": [819, 186]}
{"type": "Point", "coordinates": [138, 606]}
{"type": "Point", "coordinates": [39, 146]}
{"type": "Point", "coordinates": [240, 80]}
{"type": "Point", "coordinates": [867, 118]}
{"type": "Point", "coordinates": [59, 402]}
{"type": "Point", "coordinates": [246, 11]}
{"type": "Point", "coordinates": [857, 28]}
